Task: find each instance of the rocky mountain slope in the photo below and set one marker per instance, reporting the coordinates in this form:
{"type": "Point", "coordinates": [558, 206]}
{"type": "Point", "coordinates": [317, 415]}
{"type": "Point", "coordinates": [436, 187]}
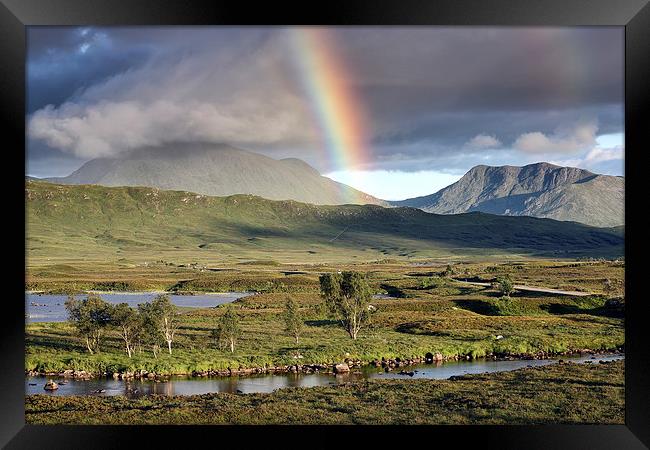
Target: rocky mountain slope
{"type": "Point", "coordinates": [538, 190]}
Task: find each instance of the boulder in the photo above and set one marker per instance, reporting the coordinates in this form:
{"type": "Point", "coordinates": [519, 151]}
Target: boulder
{"type": "Point", "coordinates": [341, 368]}
{"type": "Point", "coordinates": [51, 386]}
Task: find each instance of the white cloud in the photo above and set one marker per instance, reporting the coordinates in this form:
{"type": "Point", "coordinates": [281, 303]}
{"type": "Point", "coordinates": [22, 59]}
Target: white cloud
{"type": "Point", "coordinates": [594, 157]}
{"type": "Point", "coordinates": [564, 140]}
{"type": "Point", "coordinates": [235, 97]}
{"type": "Point", "coordinates": [598, 155]}
{"type": "Point", "coordinates": [109, 128]}
{"type": "Point", "coordinates": [483, 141]}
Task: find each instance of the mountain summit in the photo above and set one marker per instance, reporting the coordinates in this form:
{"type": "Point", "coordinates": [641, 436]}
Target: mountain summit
{"type": "Point", "coordinates": [539, 190]}
{"type": "Point", "coordinates": [218, 170]}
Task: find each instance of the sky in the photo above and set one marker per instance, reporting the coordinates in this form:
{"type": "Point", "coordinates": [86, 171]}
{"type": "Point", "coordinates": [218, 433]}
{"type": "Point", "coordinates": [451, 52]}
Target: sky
{"type": "Point", "coordinates": [396, 112]}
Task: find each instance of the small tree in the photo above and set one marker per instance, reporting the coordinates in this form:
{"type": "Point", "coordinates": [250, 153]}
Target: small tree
{"type": "Point", "coordinates": [90, 317]}
{"type": "Point", "coordinates": [449, 271]}
{"type": "Point", "coordinates": [167, 316]}
{"type": "Point", "coordinates": [347, 297]}
{"type": "Point", "coordinates": [128, 323]}
{"type": "Point", "coordinates": [149, 334]}
{"type": "Point", "coordinates": [292, 319]}
{"type": "Point", "coordinates": [505, 285]}
{"type": "Point", "coordinates": [228, 331]}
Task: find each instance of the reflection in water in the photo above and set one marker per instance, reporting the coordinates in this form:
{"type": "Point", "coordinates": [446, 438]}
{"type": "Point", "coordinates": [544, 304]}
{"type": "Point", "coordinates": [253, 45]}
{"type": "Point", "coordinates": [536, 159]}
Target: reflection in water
{"type": "Point", "coordinates": [269, 383]}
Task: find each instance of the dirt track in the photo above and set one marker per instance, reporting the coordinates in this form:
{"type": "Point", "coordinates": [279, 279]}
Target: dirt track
{"type": "Point", "coordinates": [520, 287]}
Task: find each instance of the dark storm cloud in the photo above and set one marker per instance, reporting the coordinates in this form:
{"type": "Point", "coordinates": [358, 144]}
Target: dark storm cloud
{"type": "Point", "coordinates": [447, 85]}
{"type": "Point", "coordinates": [62, 62]}
{"type": "Point", "coordinates": [430, 94]}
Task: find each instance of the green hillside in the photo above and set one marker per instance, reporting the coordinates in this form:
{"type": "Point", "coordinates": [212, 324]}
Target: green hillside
{"type": "Point", "coordinates": [88, 222]}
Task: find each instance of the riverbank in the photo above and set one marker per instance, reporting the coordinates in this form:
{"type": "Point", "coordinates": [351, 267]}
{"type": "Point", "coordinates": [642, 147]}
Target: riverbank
{"type": "Point", "coordinates": [347, 365]}
{"type": "Point", "coordinates": [427, 314]}
{"type": "Point", "coordinates": [559, 393]}
{"type": "Point", "coordinates": [451, 324]}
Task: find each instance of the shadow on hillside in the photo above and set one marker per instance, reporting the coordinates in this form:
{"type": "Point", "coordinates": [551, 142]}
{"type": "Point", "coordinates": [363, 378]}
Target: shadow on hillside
{"type": "Point", "coordinates": [393, 291]}
{"type": "Point", "coordinates": [53, 344]}
{"type": "Point", "coordinates": [559, 309]}
{"type": "Point", "coordinates": [477, 306]}
{"type": "Point", "coordinates": [532, 294]}
{"type": "Point", "coordinates": [321, 323]}
{"type": "Point", "coordinates": [416, 328]}
{"type": "Point", "coordinates": [421, 274]}
{"type": "Point", "coordinates": [196, 328]}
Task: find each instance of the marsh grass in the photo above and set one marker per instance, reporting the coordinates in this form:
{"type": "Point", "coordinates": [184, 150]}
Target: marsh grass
{"type": "Point", "coordinates": [555, 394]}
{"type": "Point", "coordinates": [446, 318]}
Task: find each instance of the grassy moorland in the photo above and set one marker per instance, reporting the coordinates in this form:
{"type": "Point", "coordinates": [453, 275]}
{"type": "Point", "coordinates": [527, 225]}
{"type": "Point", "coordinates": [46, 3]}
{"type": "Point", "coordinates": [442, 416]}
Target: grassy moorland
{"type": "Point", "coordinates": [271, 276]}
{"type": "Point", "coordinates": [430, 313]}
{"type": "Point", "coordinates": [566, 394]}
{"type": "Point", "coordinates": [135, 224]}
{"type": "Point", "coordinates": [82, 238]}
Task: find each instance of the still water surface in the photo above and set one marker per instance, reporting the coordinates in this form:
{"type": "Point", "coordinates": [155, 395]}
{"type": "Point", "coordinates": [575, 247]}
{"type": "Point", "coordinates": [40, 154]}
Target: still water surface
{"type": "Point", "coordinates": [269, 383]}
{"type": "Point", "coordinates": [50, 308]}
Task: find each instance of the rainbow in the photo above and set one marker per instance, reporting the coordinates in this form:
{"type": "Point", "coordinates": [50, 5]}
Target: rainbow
{"type": "Point", "coordinates": [334, 103]}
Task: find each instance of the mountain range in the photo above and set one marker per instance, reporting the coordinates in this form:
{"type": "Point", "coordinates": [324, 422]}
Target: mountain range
{"type": "Point", "coordinates": [90, 221]}
{"type": "Point", "coordinates": [538, 190]}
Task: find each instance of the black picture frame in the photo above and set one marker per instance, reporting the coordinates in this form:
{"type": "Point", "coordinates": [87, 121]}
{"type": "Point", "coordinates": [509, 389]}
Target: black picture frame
{"type": "Point", "coordinates": [634, 15]}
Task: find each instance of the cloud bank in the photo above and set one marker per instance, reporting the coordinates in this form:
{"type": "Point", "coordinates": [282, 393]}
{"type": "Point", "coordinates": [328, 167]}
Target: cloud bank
{"type": "Point", "coordinates": [437, 98]}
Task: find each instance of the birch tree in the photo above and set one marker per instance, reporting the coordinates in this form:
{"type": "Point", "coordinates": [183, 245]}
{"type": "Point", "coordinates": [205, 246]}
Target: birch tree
{"type": "Point", "coordinates": [228, 331]}
{"type": "Point", "coordinates": [90, 317]}
{"type": "Point", "coordinates": [161, 318]}
{"type": "Point", "coordinates": [292, 319]}
{"type": "Point", "coordinates": [168, 318]}
{"type": "Point", "coordinates": [347, 297]}
{"type": "Point", "coordinates": [128, 324]}
{"type": "Point", "coordinates": [149, 336]}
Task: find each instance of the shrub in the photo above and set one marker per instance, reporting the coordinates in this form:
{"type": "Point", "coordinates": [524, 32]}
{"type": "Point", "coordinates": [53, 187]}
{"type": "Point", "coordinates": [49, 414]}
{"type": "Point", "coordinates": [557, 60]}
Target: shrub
{"type": "Point", "coordinates": [505, 285]}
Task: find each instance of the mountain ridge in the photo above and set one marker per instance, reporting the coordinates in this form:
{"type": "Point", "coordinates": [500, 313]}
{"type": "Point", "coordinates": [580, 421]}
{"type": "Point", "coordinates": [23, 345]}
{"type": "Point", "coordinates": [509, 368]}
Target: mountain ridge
{"type": "Point", "coordinates": [90, 219]}
{"type": "Point", "coordinates": [540, 190]}
{"type": "Point", "coordinates": [218, 170]}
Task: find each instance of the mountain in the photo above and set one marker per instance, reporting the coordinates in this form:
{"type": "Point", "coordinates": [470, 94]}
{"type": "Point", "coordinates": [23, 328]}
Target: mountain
{"type": "Point", "coordinates": [538, 190]}
{"type": "Point", "coordinates": [217, 170]}
{"type": "Point", "coordinates": [91, 221]}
